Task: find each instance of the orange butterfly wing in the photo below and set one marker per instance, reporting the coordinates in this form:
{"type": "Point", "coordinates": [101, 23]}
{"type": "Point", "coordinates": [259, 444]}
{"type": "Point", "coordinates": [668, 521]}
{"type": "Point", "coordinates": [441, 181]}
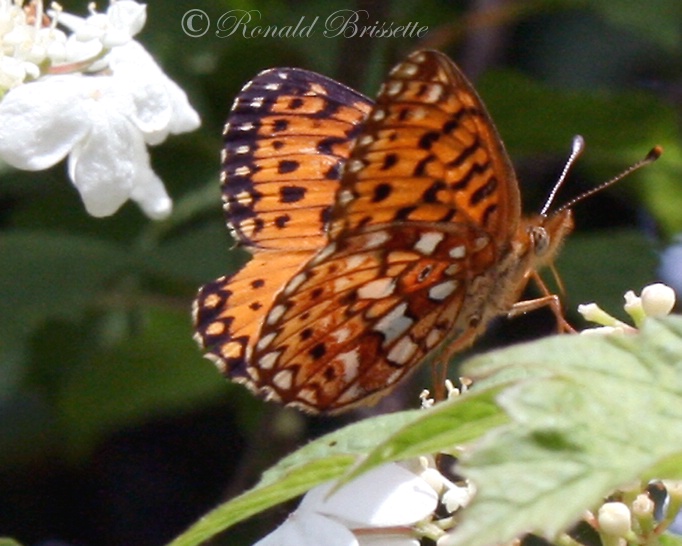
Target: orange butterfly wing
{"type": "Point", "coordinates": [287, 137]}
{"type": "Point", "coordinates": [427, 205]}
{"type": "Point", "coordinates": [429, 152]}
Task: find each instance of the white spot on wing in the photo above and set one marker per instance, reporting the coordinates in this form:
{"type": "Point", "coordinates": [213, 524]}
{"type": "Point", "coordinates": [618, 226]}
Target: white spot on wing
{"type": "Point", "coordinates": [432, 338]}
{"type": "Point", "coordinates": [457, 252]}
{"type": "Point", "coordinates": [428, 242]}
{"type": "Point", "coordinates": [283, 379]}
{"type": "Point", "coordinates": [394, 324]}
{"type": "Point", "coordinates": [378, 114]}
{"type": "Point", "coordinates": [394, 87]}
{"type": "Point", "coordinates": [350, 361]}
{"type": "Point", "coordinates": [267, 362]}
{"type": "Point", "coordinates": [377, 289]}
{"type": "Point", "coordinates": [402, 351]}
{"type": "Point", "coordinates": [341, 335]}
{"type": "Point", "coordinates": [434, 93]}
{"type": "Point", "coordinates": [376, 239]}
{"type": "Point", "coordinates": [405, 70]}
{"type": "Point", "coordinates": [345, 197]}
{"type": "Point", "coordinates": [276, 314]}
{"type": "Point", "coordinates": [365, 140]}
{"type": "Point", "coordinates": [265, 341]}
{"type": "Point", "coordinates": [441, 291]}
{"type": "Point", "coordinates": [355, 165]}
{"type": "Point", "coordinates": [294, 283]}
{"type": "Point", "coordinates": [323, 254]}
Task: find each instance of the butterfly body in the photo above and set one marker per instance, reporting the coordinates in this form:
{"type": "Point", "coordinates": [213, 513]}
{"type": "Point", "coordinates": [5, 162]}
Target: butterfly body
{"type": "Point", "coordinates": [415, 244]}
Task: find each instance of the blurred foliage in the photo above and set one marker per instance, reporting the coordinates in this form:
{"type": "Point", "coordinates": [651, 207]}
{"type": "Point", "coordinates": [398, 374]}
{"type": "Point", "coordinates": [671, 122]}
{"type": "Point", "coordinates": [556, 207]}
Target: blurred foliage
{"type": "Point", "coordinates": [95, 326]}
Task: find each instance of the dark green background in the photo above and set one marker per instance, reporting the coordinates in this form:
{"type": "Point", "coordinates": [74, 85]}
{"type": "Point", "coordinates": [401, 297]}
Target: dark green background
{"type": "Point", "coordinates": [113, 429]}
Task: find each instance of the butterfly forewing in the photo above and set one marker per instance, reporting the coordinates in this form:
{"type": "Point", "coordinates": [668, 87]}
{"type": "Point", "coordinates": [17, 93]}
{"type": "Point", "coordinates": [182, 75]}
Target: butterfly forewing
{"type": "Point", "coordinates": [288, 134]}
{"type": "Point", "coordinates": [428, 152]}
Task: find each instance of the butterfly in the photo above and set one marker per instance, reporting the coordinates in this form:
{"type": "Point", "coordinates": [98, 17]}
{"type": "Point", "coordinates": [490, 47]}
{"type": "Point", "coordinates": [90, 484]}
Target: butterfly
{"type": "Point", "coordinates": [383, 233]}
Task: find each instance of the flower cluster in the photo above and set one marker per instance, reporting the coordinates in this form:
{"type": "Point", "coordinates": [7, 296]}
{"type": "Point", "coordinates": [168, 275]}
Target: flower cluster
{"type": "Point", "coordinates": [634, 516]}
{"type": "Point", "coordinates": [657, 300]}
{"type": "Point", "coordinates": [95, 95]}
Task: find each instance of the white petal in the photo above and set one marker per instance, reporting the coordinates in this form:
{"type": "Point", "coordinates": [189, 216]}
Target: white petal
{"type": "Point", "coordinates": [127, 16]}
{"type": "Point", "coordinates": [150, 193]}
{"type": "Point", "coordinates": [309, 530]}
{"type": "Point", "coordinates": [161, 106]}
{"type": "Point", "coordinates": [40, 122]}
{"type": "Point", "coordinates": [76, 50]}
{"type": "Point", "coordinates": [384, 497]}
{"type": "Point", "coordinates": [103, 167]}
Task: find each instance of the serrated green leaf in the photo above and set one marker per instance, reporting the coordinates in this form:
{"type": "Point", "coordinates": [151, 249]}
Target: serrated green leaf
{"type": "Point", "coordinates": [592, 413]}
{"type": "Point", "coordinates": [322, 460]}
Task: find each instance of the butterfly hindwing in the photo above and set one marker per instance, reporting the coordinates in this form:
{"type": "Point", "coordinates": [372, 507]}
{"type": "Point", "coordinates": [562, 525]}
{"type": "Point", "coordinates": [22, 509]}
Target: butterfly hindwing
{"type": "Point", "coordinates": [365, 311]}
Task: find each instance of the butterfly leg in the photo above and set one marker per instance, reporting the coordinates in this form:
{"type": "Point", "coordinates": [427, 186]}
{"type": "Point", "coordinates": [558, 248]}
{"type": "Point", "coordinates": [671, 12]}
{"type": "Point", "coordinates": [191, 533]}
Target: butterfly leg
{"type": "Point", "coordinates": [548, 300]}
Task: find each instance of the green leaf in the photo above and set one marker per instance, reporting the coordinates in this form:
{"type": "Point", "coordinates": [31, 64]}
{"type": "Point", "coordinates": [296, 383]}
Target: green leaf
{"type": "Point", "coordinates": [449, 424]}
{"type": "Point", "coordinates": [591, 414]}
{"type": "Point", "coordinates": [322, 460]}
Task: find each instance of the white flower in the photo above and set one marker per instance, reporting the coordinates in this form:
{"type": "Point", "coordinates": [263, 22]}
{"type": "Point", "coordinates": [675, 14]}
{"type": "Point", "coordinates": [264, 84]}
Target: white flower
{"type": "Point", "coordinates": [104, 121]}
{"type": "Point", "coordinates": [658, 300]}
{"type": "Point", "coordinates": [379, 507]}
{"type": "Point", "coordinates": [614, 519]}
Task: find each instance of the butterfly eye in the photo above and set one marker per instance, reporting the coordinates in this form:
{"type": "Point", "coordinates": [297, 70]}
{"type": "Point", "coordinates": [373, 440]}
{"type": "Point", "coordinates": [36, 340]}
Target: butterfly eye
{"type": "Point", "coordinates": [540, 239]}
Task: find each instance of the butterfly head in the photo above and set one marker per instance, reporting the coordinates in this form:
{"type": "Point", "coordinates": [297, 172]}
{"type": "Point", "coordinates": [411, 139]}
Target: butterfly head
{"type": "Point", "coordinates": [547, 233]}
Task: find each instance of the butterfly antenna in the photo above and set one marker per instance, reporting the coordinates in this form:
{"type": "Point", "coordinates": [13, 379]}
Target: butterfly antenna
{"type": "Point", "coordinates": [652, 156]}
{"type": "Point", "coordinates": [576, 152]}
